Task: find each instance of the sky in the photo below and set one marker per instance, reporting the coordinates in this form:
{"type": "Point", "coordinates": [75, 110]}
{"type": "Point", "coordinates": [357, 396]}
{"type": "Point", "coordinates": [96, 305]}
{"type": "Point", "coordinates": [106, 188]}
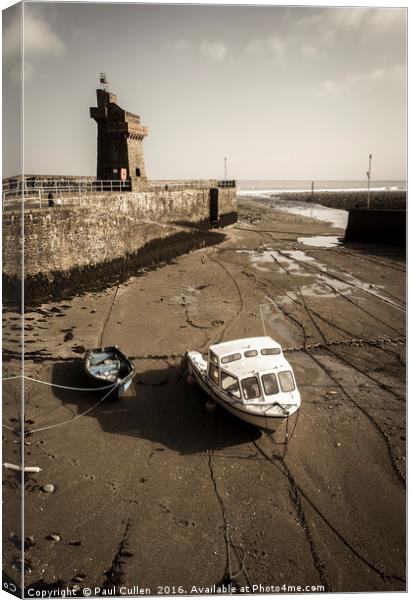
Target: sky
{"type": "Point", "coordinates": [301, 93]}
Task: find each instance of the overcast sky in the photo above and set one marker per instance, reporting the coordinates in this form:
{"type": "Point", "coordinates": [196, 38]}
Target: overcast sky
{"type": "Point", "coordinates": [283, 92]}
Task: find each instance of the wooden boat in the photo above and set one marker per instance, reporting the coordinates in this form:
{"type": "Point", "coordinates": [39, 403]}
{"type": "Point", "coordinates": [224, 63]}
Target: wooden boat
{"type": "Point", "coordinates": [250, 378]}
{"type": "Point", "coordinates": [109, 365]}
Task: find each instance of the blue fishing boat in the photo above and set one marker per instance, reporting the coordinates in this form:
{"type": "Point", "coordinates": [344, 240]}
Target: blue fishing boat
{"type": "Point", "coordinates": [109, 365]}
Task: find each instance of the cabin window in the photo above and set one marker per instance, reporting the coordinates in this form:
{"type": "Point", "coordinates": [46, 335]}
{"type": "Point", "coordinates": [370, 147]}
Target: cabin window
{"type": "Point", "coordinates": [214, 373]}
{"type": "Point", "coordinates": [286, 381]}
{"type": "Point", "coordinates": [250, 353]}
{"type": "Point", "coordinates": [214, 358]}
{"type": "Point", "coordinates": [251, 388]}
{"type": "Point", "coordinates": [269, 382]}
{"type": "Point", "coordinates": [230, 384]}
{"type": "Point", "coordinates": [230, 358]}
{"type": "Point", "coordinates": [266, 351]}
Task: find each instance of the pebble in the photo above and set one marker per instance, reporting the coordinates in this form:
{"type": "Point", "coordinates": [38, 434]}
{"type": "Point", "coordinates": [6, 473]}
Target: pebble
{"type": "Point", "coordinates": [55, 537]}
{"type": "Point", "coordinates": [48, 488]}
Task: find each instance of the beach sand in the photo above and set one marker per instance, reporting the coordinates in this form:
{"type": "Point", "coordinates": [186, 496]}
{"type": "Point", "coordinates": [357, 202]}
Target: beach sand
{"type": "Point", "coordinates": [146, 488]}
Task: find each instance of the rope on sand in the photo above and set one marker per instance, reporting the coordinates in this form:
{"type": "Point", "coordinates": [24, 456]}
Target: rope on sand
{"type": "Point", "coordinates": [67, 387]}
{"type": "Point", "coordinates": [87, 411]}
{"type": "Point", "coordinates": [77, 416]}
{"type": "Point", "coordinates": [64, 387]}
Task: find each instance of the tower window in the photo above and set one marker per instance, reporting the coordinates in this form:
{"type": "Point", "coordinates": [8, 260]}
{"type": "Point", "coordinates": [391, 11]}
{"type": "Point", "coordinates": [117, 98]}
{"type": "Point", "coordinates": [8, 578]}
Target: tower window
{"type": "Point", "coordinates": [138, 172]}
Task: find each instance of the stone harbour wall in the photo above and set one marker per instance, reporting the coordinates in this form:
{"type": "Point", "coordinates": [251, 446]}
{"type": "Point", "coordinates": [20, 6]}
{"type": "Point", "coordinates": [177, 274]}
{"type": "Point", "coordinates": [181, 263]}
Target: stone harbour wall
{"type": "Point", "coordinates": [376, 226]}
{"type": "Point", "coordinates": [100, 228]}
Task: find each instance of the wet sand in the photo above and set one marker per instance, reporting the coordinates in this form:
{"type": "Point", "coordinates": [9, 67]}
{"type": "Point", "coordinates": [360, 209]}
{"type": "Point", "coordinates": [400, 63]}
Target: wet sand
{"type": "Point", "coordinates": [147, 488]}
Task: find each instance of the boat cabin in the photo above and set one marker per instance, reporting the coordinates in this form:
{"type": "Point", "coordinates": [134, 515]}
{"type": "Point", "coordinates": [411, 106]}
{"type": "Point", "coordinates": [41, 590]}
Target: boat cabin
{"type": "Point", "coordinates": [252, 370]}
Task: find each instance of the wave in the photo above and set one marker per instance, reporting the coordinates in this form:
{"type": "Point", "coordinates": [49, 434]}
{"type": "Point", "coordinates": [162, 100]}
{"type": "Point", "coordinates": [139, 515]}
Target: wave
{"type": "Point", "coordinates": [270, 192]}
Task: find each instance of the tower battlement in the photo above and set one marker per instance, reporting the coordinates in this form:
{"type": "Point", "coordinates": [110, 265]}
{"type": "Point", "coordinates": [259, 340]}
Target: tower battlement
{"type": "Point", "coordinates": [119, 141]}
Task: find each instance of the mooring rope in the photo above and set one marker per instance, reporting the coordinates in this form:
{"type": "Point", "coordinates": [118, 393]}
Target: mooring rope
{"type": "Point", "coordinates": [67, 387]}
{"type": "Point", "coordinates": [63, 387]}
{"type": "Point", "coordinates": [77, 416]}
{"type": "Point", "coordinates": [73, 418]}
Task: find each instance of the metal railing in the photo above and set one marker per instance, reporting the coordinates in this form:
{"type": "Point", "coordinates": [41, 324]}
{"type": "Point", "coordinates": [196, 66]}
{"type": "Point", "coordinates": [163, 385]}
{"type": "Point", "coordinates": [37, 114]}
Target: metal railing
{"type": "Point", "coordinates": [227, 183]}
{"type": "Point", "coordinates": [41, 192]}
{"type": "Point", "coordinates": [49, 190]}
{"type": "Point", "coordinates": [187, 184]}
{"type": "Point", "coordinates": [171, 185]}
{"type": "Point", "coordinates": [15, 202]}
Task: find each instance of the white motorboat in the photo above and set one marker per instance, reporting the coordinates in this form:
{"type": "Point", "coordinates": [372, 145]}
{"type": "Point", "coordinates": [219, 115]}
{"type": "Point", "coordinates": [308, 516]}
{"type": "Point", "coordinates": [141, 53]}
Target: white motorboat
{"type": "Point", "coordinates": [251, 378]}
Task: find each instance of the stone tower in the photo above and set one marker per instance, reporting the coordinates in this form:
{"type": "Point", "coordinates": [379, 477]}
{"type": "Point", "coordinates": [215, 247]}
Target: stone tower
{"type": "Point", "coordinates": [120, 141]}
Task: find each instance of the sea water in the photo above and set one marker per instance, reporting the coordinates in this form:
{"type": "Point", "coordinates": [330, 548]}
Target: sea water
{"type": "Point", "coordinates": [251, 186]}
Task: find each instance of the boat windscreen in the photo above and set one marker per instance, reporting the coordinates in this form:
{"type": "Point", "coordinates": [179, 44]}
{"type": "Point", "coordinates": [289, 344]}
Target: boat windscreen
{"type": "Point", "coordinates": [269, 382]}
{"type": "Point", "coordinates": [286, 381]}
{"type": "Point", "coordinates": [230, 384]}
{"type": "Point", "coordinates": [250, 388]}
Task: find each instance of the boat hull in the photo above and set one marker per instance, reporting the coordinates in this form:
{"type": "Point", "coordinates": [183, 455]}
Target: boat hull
{"type": "Point", "coordinates": [262, 421]}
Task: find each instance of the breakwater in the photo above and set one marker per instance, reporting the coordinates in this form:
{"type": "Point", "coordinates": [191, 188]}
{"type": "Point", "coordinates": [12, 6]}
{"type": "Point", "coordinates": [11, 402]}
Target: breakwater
{"type": "Point", "coordinates": [99, 234]}
{"type": "Point", "coordinates": [343, 199]}
{"type": "Point", "coordinates": [376, 226]}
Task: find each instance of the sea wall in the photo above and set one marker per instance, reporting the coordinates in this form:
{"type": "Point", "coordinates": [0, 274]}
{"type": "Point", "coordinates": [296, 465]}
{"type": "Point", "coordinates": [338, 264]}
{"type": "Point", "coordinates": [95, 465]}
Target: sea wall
{"type": "Point", "coordinates": [97, 230]}
{"type": "Point", "coordinates": [376, 226]}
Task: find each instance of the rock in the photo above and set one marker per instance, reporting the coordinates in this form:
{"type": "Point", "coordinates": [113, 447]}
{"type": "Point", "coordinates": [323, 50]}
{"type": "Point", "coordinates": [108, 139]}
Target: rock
{"type": "Point", "coordinates": [55, 537]}
{"type": "Point", "coordinates": [48, 488]}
